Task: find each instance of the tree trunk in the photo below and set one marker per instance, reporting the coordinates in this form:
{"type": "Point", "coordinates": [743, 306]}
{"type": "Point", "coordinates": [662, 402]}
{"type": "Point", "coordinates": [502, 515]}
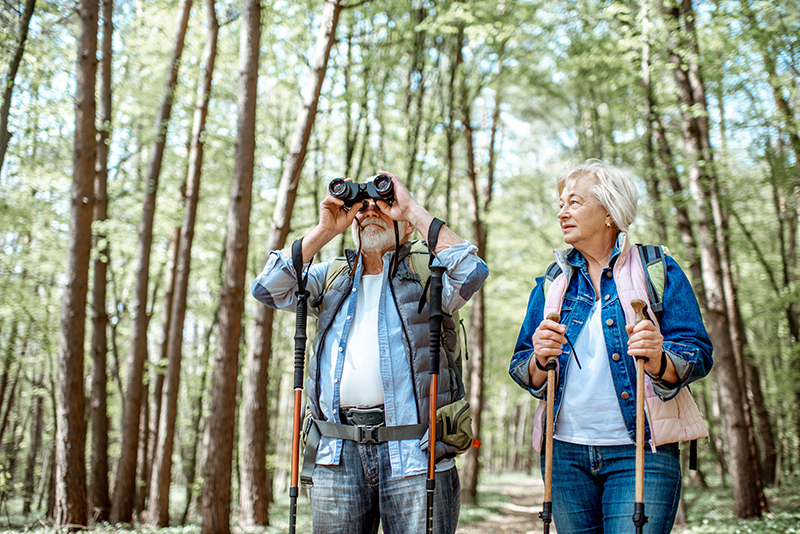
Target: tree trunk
{"type": "Point", "coordinates": [158, 372]}
{"type": "Point", "coordinates": [651, 171]}
{"type": "Point", "coordinates": [255, 492]}
{"type": "Point", "coordinates": [9, 405]}
{"type": "Point", "coordinates": [748, 490]}
{"type": "Point", "coordinates": [415, 93]}
{"type": "Point", "coordinates": [33, 451]}
{"type": "Point", "coordinates": [197, 418]}
{"type": "Point", "coordinates": [217, 471]}
{"type": "Point", "coordinates": [99, 501]}
{"type": "Point", "coordinates": [125, 487]}
{"type": "Point", "coordinates": [11, 75]}
{"type": "Point", "coordinates": [70, 473]}
{"type": "Point", "coordinates": [479, 203]}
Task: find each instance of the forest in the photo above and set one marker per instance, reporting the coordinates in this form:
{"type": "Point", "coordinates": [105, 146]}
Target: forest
{"type": "Point", "coordinates": [152, 153]}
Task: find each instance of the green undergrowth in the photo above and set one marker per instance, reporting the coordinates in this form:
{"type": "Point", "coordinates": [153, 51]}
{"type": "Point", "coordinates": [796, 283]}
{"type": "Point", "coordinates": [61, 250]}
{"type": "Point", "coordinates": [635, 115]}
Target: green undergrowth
{"type": "Point", "coordinates": [710, 511]}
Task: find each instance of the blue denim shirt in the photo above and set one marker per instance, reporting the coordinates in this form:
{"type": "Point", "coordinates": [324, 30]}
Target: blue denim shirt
{"type": "Point", "coordinates": [686, 341]}
{"type": "Point", "coordinates": [276, 286]}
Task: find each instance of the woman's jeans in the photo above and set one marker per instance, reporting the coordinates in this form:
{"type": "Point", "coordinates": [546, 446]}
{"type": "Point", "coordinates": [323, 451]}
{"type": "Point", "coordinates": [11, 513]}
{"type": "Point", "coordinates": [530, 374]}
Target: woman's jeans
{"type": "Point", "coordinates": [593, 488]}
{"type": "Point", "coordinates": [357, 495]}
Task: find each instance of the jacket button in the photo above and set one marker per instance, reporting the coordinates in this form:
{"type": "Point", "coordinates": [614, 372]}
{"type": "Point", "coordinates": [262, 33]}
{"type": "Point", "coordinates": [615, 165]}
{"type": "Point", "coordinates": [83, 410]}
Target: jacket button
{"type": "Point", "coordinates": [610, 322]}
{"type": "Point", "coordinates": [609, 274]}
{"type": "Point", "coordinates": [624, 395]}
{"type": "Point", "coordinates": [615, 357]}
{"type": "Point", "coordinates": [608, 297]}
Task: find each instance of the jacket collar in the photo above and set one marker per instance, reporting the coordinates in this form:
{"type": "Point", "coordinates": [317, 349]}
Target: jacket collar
{"type": "Point", "coordinates": [570, 259]}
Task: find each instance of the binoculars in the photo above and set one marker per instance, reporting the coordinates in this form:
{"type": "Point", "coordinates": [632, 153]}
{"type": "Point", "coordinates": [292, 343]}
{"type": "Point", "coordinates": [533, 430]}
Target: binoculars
{"type": "Point", "coordinates": [381, 188]}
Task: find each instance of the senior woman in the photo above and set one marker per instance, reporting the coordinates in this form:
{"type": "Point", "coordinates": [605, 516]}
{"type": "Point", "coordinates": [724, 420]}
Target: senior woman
{"type": "Point", "coordinates": [595, 395]}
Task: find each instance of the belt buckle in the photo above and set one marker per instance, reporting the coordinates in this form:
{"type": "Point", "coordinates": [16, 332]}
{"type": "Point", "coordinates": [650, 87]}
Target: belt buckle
{"type": "Point", "coordinates": [368, 435]}
{"type": "Point", "coordinates": [368, 417]}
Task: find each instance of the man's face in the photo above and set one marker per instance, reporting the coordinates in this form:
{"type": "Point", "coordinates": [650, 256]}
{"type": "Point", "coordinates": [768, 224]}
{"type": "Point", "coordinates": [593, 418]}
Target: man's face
{"type": "Point", "coordinates": [377, 230]}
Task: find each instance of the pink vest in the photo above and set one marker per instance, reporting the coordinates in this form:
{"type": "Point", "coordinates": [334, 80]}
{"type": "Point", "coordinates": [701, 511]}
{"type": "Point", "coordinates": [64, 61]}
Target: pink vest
{"type": "Point", "coordinates": [677, 419]}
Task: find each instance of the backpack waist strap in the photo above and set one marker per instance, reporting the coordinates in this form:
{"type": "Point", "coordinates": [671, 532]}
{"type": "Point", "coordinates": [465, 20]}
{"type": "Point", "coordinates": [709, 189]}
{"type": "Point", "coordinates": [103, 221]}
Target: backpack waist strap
{"type": "Point", "coordinates": [361, 434]}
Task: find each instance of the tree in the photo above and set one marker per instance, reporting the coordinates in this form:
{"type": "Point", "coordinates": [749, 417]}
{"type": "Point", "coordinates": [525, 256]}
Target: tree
{"type": "Point", "coordinates": [99, 501]}
{"type": "Point", "coordinates": [11, 75]}
{"type": "Point", "coordinates": [217, 470]}
{"type": "Point", "coordinates": [254, 490]}
{"type": "Point", "coordinates": [125, 487]}
{"type": "Point", "coordinates": [71, 427]}
{"type": "Point", "coordinates": [748, 488]}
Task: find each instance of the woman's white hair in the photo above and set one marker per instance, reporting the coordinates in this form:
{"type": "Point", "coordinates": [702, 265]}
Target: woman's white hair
{"type": "Point", "coordinates": [611, 188]}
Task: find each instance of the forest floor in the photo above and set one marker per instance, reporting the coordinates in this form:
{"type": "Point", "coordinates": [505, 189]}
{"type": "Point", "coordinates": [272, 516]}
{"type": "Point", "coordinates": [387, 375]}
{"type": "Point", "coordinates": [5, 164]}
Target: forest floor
{"type": "Point", "coordinates": [509, 505]}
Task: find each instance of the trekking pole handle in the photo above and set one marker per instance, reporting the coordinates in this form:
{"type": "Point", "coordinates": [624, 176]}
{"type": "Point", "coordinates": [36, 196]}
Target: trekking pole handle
{"type": "Point", "coordinates": [435, 316]}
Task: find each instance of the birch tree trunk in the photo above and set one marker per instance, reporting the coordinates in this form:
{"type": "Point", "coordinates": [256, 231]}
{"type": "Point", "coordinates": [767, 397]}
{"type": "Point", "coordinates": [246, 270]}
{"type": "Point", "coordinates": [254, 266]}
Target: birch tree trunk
{"type": "Point", "coordinates": [125, 487]}
{"type": "Point", "coordinates": [70, 473]}
{"type": "Point", "coordinates": [255, 491]}
{"type": "Point", "coordinates": [99, 500]}
{"type": "Point", "coordinates": [748, 489]}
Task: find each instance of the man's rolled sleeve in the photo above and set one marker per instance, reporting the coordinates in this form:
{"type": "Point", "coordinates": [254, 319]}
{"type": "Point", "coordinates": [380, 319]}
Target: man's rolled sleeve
{"type": "Point", "coordinates": [464, 275]}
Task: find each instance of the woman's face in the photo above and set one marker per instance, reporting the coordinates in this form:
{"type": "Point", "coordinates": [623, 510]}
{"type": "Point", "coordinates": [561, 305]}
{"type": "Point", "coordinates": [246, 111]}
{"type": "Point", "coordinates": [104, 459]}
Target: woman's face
{"type": "Point", "coordinates": [582, 218]}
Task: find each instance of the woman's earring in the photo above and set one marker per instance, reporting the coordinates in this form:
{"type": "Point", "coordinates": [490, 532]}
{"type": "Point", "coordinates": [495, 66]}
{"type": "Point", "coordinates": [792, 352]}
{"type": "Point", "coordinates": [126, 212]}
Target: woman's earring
{"type": "Point", "coordinates": [608, 224]}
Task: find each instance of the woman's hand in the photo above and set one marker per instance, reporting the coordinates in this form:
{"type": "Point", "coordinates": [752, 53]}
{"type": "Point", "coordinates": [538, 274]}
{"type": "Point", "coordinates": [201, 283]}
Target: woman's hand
{"type": "Point", "coordinates": [547, 341]}
{"type": "Point", "coordinates": [646, 341]}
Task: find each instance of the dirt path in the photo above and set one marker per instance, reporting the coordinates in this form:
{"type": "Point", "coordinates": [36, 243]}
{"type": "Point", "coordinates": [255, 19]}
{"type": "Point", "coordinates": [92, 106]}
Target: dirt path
{"type": "Point", "coordinates": [519, 515]}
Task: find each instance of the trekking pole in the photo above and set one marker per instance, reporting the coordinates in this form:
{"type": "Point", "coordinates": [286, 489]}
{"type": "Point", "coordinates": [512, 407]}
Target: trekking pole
{"type": "Point", "coordinates": [299, 362]}
{"type": "Point", "coordinates": [435, 323]}
{"type": "Point", "coordinates": [546, 515]}
{"type": "Point", "coordinates": [639, 518]}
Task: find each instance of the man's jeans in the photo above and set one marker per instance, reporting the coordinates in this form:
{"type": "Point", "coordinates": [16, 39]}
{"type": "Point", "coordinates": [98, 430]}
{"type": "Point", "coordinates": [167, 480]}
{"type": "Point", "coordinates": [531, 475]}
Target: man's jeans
{"type": "Point", "coordinates": [357, 495]}
{"type": "Point", "coordinates": [594, 488]}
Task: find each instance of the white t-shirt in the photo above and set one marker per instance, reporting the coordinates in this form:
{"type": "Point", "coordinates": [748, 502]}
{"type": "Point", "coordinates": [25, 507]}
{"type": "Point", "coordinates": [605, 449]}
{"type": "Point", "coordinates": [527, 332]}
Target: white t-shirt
{"type": "Point", "coordinates": [361, 376]}
{"type": "Point", "coordinates": [589, 413]}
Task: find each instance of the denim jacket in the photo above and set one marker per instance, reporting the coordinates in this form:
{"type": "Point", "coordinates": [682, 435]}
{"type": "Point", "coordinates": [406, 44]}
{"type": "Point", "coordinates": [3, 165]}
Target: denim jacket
{"type": "Point", "coordinates": [686, 341]}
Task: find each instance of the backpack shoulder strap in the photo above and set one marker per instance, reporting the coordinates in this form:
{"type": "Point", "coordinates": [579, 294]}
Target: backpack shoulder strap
{"type": "Point", "coordinates": [337, 267]}
{"type": "Point", "coordinates": [655, 271]}
{"type": "Point", "coordinates": [550, 274]}
{"type": "Point", "coordinates": [418, 261]}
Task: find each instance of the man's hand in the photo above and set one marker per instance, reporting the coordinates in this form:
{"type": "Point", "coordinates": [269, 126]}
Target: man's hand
{"type": "Point", "coordinates": [405, 208]}
{"type": "Point", "coordinates": [333, 220]}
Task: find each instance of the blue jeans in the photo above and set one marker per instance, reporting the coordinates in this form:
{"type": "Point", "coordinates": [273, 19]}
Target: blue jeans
{"type": "Point", "coordinates": [593, 488]}
{"type": "Point", "coordinates": [355, 496]}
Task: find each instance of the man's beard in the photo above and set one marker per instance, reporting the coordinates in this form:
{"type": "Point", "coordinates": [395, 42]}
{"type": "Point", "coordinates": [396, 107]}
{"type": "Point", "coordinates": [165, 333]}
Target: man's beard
{"type": "Point", "coordinates": [376, 235]}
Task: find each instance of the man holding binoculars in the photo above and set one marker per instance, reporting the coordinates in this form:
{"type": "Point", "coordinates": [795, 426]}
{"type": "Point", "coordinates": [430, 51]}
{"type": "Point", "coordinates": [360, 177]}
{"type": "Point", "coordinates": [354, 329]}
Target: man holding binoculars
{"type": "Point", "coordinates": [370, 367]}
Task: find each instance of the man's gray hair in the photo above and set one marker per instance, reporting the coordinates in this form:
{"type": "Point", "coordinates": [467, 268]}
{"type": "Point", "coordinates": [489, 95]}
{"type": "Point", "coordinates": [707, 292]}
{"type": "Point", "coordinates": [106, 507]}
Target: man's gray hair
{"type": "Point", "coordinates": [611, 188]}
